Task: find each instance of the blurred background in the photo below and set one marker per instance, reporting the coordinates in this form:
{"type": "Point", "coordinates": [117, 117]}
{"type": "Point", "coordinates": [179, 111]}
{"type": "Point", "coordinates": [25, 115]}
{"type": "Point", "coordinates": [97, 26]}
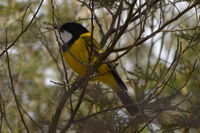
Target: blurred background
{"type": "Point", "coordinates": [162, 72]}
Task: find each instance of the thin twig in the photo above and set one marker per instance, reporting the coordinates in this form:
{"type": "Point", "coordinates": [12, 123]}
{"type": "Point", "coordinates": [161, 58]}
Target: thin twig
{"type": "Point", "coordinates": [24, 30]}
{"type": "Point", "coordinates": [13, 89]}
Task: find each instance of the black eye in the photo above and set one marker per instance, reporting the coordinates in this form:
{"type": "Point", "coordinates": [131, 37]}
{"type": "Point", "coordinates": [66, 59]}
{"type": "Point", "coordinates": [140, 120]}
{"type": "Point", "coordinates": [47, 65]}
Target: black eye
{"type": "Point", "coordinates": [61, 29]}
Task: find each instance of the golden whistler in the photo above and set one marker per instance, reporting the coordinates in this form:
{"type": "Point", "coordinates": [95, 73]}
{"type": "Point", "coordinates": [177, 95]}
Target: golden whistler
{"type": "Point", "coordinates": [78, 52]}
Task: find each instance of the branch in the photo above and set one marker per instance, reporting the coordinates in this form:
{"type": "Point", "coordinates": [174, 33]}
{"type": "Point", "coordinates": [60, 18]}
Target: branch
{"type": "Point", "coordinates": [23, 30]}
{"type": "Point", "coordinates": [13, 89]}
{"type": "Point", "coordinates": [81, 82]}
{"type": "Point", "coordinates": [67, 126]}
{"type": "Point", "coordinates": [167, 23]}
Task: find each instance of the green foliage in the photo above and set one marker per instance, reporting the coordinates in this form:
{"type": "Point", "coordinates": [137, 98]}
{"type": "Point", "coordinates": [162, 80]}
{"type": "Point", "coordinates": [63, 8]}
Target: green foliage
{"type": "Point", "coordinates": [169, 91]}
{"type": "Point", "coordinates": [110, 3]}
{"type": "Point", "coordinates": [188, 36]}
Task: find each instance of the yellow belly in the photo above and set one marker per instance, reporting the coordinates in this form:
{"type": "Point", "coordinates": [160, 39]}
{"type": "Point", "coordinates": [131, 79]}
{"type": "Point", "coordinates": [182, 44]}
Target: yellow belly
{"type": "Point", "coordinates": [77, 59]}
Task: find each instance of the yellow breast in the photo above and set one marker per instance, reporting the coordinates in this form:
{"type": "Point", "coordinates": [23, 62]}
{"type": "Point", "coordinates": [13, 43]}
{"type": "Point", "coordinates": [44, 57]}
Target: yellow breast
{"type": "Point", "coordinates": [77, 58]}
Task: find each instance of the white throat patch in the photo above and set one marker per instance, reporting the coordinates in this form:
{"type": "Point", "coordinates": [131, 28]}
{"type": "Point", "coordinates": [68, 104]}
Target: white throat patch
{"type": "Point", "coordinates": [65, 36]}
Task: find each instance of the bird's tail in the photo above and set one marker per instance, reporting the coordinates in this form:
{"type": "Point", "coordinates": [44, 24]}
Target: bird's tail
{"type": "Point", "coordinates": [127, 101]}
{"type": "Point", "coordinates": [123, 95]}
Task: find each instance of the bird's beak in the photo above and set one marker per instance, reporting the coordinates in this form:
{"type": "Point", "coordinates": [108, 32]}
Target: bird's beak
{"type": "Point", "coordinates": [57, 27]}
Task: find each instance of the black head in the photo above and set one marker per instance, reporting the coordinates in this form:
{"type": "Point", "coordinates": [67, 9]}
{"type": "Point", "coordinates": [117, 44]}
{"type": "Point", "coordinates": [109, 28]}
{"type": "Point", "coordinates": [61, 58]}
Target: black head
{"type": "Point", "coordinates": [70, 32]}
{"type": "Point", "coordinates": [74, 28]}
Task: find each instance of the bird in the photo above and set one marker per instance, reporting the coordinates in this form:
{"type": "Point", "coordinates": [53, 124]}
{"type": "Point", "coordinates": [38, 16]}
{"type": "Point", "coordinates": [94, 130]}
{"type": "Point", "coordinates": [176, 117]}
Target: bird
{"type": "Point", "coordinates": [79, 48]}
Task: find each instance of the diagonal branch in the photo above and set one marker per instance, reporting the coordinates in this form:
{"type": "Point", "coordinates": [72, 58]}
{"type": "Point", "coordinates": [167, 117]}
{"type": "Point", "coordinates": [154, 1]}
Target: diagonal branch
{"type": "Point", "coordinates": [23, 30]}
{"type": "Point", "coordinates": [13, 89]}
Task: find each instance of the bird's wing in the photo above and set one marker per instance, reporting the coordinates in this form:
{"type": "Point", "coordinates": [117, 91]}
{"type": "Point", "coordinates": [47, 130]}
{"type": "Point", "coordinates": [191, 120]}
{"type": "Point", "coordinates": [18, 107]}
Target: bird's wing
{"type": "Point", "coordinates": [104, 68]}
{"type": "Point", "coordinates": [92, 45]}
